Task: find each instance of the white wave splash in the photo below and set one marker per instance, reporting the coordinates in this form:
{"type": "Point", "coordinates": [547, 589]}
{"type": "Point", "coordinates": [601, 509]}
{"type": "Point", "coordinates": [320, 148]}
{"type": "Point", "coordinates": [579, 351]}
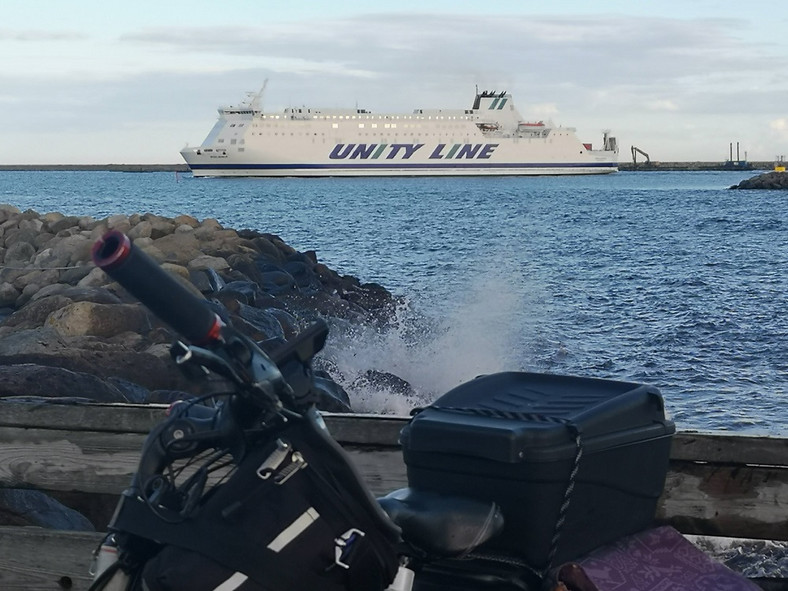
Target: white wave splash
{"type": "Point", "coordinates": [472, 336]}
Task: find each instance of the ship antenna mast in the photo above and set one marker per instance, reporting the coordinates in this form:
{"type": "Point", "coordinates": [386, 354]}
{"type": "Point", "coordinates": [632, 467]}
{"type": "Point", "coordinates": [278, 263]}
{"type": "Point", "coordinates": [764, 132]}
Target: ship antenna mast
{"type": "Point", "coordinates": [256, 102]}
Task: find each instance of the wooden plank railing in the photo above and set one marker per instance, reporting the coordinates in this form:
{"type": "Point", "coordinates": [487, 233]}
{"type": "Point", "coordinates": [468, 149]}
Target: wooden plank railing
{"type": "Point", "coordinates": [84, 456]}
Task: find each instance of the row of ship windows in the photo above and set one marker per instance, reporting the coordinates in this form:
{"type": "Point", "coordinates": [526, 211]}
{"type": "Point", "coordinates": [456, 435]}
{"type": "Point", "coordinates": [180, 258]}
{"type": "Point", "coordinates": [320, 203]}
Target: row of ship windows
{"type": "Point", "coordinates": [241, 149]}
{"type": "Point", "coordinates": [450, 137]}
{"type": "Point", "coordinates": [405, 126]}
{"type": "Point", "coordinates": [288, 117]}
{"type": "Point", "coordinates": [374, 134]}
{"type": "Point", "coordinates": [406, 117]}
{"type": "Point", "coordinates": [373, 126]}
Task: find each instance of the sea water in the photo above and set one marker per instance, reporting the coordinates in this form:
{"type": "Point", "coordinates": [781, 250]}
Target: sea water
{"type": "Point", "coordinates": [662, 277]}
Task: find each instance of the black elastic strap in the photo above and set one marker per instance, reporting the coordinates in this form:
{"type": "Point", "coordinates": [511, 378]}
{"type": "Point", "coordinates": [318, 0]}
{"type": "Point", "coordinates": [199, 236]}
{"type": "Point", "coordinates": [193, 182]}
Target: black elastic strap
{"type": "Point", "coordinates": [570, 485]}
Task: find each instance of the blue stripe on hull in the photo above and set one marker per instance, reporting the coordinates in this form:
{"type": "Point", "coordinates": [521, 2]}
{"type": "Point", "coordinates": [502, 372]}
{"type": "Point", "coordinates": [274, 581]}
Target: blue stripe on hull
{"type": "Point", "coordinates": [401, 166]}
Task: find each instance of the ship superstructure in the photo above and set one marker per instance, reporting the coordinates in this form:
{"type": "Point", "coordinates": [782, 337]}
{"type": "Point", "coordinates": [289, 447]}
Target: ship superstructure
{"type": "Point", "coordinates": [490, 138]}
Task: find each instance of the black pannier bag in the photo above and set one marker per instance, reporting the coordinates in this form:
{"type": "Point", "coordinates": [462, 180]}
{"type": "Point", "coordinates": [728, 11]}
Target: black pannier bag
{"type": "Point", "coordinates": [294, 516]}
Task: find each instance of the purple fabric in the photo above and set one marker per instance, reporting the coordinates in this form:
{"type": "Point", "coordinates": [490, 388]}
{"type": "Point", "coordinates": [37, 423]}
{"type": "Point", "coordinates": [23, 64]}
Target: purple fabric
{"type": "Point", "coordinates": [658, 559]}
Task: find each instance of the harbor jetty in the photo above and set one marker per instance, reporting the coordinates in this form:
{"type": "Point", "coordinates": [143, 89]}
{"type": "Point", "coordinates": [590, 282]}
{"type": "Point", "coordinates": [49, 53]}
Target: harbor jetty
{"type": "Point", "coordinates": [98, 167]}
{"type": "Point", "coordinates": [769, 181]}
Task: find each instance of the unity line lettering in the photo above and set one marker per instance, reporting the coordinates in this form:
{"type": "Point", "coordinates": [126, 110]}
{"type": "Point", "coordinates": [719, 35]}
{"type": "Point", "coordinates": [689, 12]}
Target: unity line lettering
{"type": "Point", "coordinates": [405, 151]}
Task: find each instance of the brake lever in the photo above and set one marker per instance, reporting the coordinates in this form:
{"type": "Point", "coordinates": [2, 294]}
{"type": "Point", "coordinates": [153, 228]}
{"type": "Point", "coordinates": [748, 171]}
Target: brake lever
{"type": "Point", "coordinates": [181, 436]}
{"type": "Point", "coordinates": [241, 361]}
{"type": "Point", "coordinates": [185, 355]}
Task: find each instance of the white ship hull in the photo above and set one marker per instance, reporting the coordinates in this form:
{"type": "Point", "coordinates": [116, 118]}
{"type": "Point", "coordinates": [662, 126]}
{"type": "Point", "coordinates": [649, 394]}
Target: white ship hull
{"type": "Point", "coordinates": [487, 140]}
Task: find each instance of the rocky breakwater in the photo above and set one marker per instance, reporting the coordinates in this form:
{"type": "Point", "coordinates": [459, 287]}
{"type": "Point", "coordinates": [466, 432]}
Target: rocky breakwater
{"type": "Point", "coordinates": [68, 333]}
{"type": "Point", "coordinates": [767, 180]}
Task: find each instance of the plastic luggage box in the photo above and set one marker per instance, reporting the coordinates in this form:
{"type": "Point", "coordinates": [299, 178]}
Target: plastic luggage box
{"type": "Point", "coordinates": [517, 437]}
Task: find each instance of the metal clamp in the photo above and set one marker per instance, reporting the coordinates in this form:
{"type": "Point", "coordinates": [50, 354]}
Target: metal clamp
{"type": "Point", "coordinates": [344, 546]}
{"type": "Point", "coordinates": [297, 462]}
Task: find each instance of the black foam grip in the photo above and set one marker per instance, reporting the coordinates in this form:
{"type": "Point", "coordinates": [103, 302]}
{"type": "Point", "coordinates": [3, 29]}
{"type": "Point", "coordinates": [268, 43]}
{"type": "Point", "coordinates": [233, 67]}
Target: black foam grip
{"type": "Point", "coordinates": [144, 278]}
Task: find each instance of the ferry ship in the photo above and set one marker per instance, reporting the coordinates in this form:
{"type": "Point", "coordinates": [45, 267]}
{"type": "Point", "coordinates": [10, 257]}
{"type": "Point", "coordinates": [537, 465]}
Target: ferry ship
{"type": "Point", "coordinates": [490, 138]}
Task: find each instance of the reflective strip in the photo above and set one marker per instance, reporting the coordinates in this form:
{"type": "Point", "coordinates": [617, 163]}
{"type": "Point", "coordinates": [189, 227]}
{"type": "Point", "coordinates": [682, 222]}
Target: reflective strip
{"type": "Point", "coordinates": [231, 584]}
{"type": "Point", "coordinates": [290, 533]}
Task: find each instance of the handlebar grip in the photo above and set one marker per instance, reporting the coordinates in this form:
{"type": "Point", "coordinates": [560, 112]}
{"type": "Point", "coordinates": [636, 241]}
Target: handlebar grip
{"type": "Point", "coordinates": [156, 288]}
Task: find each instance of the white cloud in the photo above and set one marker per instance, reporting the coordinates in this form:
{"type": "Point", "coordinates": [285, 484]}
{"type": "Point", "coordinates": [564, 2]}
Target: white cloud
{"type": "Point", "coordinates": [37, 36]}
{"type": "Point", "coordinates": [778, 130]}
{"type": "Point", "coordinates": [663, 105]}
{"type": "Point", "coordinates": [780, 124]}
{"type": "Point", "coordinates": [543, 109]}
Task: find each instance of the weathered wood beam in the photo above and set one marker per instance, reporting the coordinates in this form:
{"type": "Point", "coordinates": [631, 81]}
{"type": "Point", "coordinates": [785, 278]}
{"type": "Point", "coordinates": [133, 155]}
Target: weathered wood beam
{"type": "Point", "coordinates": [38, 559]}
{"type": "Point", "coordinates": [718, 484]}
{"type": "Point", "coordinates": [366, 429]}
{"type": "Point", "coordinates": [729, 448]}
{"type": "Point", "coordinates": [718, 500]}
{"type": "Point", "coordinates": [111, 418]}
{"type": "Point", "coordinates": [86, 461]}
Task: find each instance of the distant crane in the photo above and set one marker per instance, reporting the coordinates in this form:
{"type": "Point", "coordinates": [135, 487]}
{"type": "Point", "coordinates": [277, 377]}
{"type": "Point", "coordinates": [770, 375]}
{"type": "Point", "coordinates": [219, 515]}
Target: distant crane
{"type": "Point", "coordinates": [635, 152]}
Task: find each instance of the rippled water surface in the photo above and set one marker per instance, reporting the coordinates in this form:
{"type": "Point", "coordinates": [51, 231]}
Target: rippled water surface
{"type": "Point", "coordinates": [662, 277]}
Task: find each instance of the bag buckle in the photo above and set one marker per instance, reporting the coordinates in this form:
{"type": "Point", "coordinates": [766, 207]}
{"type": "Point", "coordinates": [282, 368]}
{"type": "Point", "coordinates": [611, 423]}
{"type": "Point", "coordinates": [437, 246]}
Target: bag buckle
{"type": "Point", "coordinates": [344, 546]}
{"type": "Point", "coordinates": [273, 461]}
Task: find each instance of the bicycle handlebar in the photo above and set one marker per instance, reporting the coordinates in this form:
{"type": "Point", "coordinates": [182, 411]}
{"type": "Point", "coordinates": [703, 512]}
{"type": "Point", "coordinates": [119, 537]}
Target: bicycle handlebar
{"type": "Point", "coordinates": [259, 387]}
{"type": "Point", "coordinates": [156, 288]}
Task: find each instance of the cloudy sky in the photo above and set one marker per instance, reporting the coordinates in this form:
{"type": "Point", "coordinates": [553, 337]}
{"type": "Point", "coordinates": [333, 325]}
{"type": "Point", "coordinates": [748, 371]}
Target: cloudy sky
{"type": "Point", "coordinates": [91, 81]}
